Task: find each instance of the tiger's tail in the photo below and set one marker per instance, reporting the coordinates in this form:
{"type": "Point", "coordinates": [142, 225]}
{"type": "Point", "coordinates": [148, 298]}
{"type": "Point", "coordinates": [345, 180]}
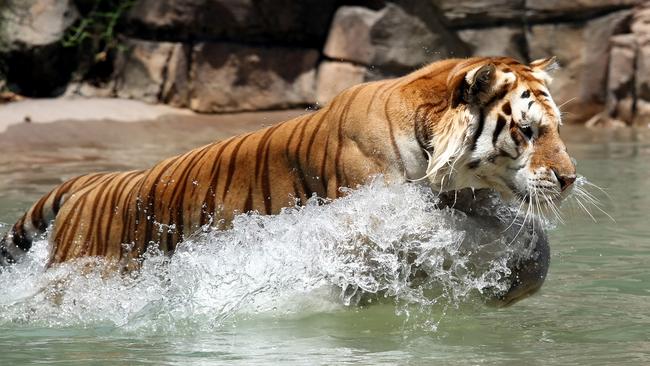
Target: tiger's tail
{"type": "Point", "coordinates": [34, 223]}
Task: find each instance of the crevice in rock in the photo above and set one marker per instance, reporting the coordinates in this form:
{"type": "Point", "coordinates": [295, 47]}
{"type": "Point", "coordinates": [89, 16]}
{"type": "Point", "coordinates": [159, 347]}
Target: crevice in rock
{"type": "Point", "coordinates": [164, 76]}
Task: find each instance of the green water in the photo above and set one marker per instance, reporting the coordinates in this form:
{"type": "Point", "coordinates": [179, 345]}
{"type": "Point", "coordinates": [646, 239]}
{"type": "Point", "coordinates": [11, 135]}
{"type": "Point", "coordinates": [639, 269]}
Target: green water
{"type": "Point", "coordinates": [592, 310]}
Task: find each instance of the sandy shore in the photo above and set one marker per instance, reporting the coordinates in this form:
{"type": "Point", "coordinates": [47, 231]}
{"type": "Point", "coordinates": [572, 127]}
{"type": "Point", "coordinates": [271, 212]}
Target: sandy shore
{"type": "Point", "coordinates": [79, 109]}
{"type": "Point", "coordinates": [43, 124]}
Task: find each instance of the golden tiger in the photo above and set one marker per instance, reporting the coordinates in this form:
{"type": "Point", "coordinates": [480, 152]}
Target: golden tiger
{"type": "Point", "coordinates": [458, 123]}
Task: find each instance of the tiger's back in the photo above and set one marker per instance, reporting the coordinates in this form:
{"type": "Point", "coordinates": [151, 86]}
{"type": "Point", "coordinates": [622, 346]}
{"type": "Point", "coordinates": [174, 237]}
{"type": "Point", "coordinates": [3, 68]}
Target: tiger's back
{"type": "Point", "coordinates": [118, 215]}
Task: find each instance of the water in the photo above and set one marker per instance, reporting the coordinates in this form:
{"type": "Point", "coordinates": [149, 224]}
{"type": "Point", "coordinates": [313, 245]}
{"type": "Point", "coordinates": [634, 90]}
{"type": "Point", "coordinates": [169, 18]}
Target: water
{"type": "Point", "coordinates": [286, 289]}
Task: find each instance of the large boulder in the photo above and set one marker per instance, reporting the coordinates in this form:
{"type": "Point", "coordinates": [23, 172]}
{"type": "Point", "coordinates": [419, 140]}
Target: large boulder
{"type": "Point", "coordinates": [397, 38]}
{"type": "Point", "coordinates": [230, 77]}
{"type": "Point", "coordinates": [31, 55]}
{"type": "Point", "coordinates": [302, 22]}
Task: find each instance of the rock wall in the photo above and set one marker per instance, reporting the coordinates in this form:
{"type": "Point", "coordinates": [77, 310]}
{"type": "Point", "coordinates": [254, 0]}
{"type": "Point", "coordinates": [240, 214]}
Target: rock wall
{"type": "Point", "coordinates": [237, 55]}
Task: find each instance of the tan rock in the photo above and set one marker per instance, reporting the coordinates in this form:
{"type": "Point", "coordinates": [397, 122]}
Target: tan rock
{"type": "Point", "coordinates": [228, 77]}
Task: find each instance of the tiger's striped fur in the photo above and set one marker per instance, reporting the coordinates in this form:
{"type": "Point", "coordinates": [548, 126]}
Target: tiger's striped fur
{"type": "Point", "coordinates": [459, 123]}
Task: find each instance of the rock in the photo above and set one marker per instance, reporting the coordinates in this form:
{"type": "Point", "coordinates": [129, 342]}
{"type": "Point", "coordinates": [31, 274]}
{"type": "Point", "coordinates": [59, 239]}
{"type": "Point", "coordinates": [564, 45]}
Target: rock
{"type": "Point", "coordinates": [334, 77]}
{"type": "Point", "coordinates": [596, 50]}
{"type": "Point", "coordinates": [349, 37]}
{"type": "Point", "coordinates": [566, 42]}
{"type": "Point", "coordinates": [31, 23]}
{"type": "Point", "coordinates": [229, 77]}
{"type": "Point", "coordinates": [287, 22]}
{"type": "Point", "coordinates": [34, 61]}
{"type": "Point", "coordinates": [90, 90]}
{"type": "Point", "coordinates": [498, 41]}
{"type": "Point", "coordinates": [459, 13]}
{"type": "Point", "coordinates": [574, 9]}
{"type": "Point", "coordinates": [582, 49]}
{"type": "Point", "coordinates": [641, 30]}
{"type": "Point", "coordinates": [620, 79]}
{"type": "Point", "coordinates": [175, 88]}
{"type": "Point", "coordinates": [471, 13]}
{"type": "Point", "coordinates": [396, 39]}
{"type": "Point", "coordinates": [149, 71]}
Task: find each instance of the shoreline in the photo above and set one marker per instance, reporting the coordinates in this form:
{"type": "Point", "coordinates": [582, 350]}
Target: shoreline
{"type": "Point", "coordinates": [50, 110]}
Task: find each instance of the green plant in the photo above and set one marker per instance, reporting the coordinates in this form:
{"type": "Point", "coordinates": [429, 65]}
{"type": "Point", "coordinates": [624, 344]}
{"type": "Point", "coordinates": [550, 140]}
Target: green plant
{"type": "Point", "coordinates": [95, 36]}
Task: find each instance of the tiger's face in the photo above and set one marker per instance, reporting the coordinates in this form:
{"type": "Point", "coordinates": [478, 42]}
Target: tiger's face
{"type": "Point", "coordinates": [513, 143]}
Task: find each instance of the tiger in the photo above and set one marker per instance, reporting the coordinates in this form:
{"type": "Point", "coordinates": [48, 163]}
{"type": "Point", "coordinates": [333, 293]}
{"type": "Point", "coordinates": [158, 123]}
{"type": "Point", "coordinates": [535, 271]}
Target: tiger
{"type": "Point", "coordinates": [481, 122]}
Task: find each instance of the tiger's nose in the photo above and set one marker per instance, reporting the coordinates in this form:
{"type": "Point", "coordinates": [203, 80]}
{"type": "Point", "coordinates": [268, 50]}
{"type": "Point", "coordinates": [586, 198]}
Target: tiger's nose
{"type": "Point", "coordinates": [565, 180]}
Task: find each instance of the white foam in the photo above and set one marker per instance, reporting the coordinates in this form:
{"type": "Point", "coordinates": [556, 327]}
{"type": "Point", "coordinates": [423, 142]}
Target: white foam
{"type": "Point", "coordinates": [360, 248]}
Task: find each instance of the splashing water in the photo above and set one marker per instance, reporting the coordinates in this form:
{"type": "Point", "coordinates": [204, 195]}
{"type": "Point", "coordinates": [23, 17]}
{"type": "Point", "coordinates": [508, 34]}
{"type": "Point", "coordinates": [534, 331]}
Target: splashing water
{"type": "Point", "coordinates": [379, 243]}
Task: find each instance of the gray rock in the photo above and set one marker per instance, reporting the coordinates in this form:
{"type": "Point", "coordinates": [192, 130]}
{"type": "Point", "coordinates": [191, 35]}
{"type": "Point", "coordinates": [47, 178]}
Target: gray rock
{"type": "Point", "coordinates": [397, 38]}
{"type": "Point", "coordinates": [229, 77]}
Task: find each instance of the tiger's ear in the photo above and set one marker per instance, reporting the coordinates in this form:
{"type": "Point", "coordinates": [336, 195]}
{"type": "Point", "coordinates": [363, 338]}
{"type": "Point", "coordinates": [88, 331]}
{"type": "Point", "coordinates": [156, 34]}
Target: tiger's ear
{"type": "Point", "coordinates": [544, 68]}
{"type": "Point", "coordinates": [477, 85]}
{"type": "Point", "coordinates": [547, 65]}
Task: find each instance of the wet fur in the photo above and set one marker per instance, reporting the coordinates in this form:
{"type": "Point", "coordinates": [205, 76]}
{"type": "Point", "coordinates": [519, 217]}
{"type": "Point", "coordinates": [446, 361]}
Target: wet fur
{"type": "Point", "coordinates": [428, 126]}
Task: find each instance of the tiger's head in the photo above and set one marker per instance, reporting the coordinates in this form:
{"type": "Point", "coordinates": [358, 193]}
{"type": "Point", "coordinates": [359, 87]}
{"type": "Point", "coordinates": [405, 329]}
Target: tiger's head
{"type": "Point", "coordinates": [500, 129]}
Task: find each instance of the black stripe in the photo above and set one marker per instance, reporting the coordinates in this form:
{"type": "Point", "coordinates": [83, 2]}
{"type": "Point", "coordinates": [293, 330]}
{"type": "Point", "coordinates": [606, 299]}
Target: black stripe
{"type": "Point", "coordinates": [501, 123]}
{"type": "Point", "coordinates": [506, 108]}
{"type": "Point", "coordinates": [479, 130]}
